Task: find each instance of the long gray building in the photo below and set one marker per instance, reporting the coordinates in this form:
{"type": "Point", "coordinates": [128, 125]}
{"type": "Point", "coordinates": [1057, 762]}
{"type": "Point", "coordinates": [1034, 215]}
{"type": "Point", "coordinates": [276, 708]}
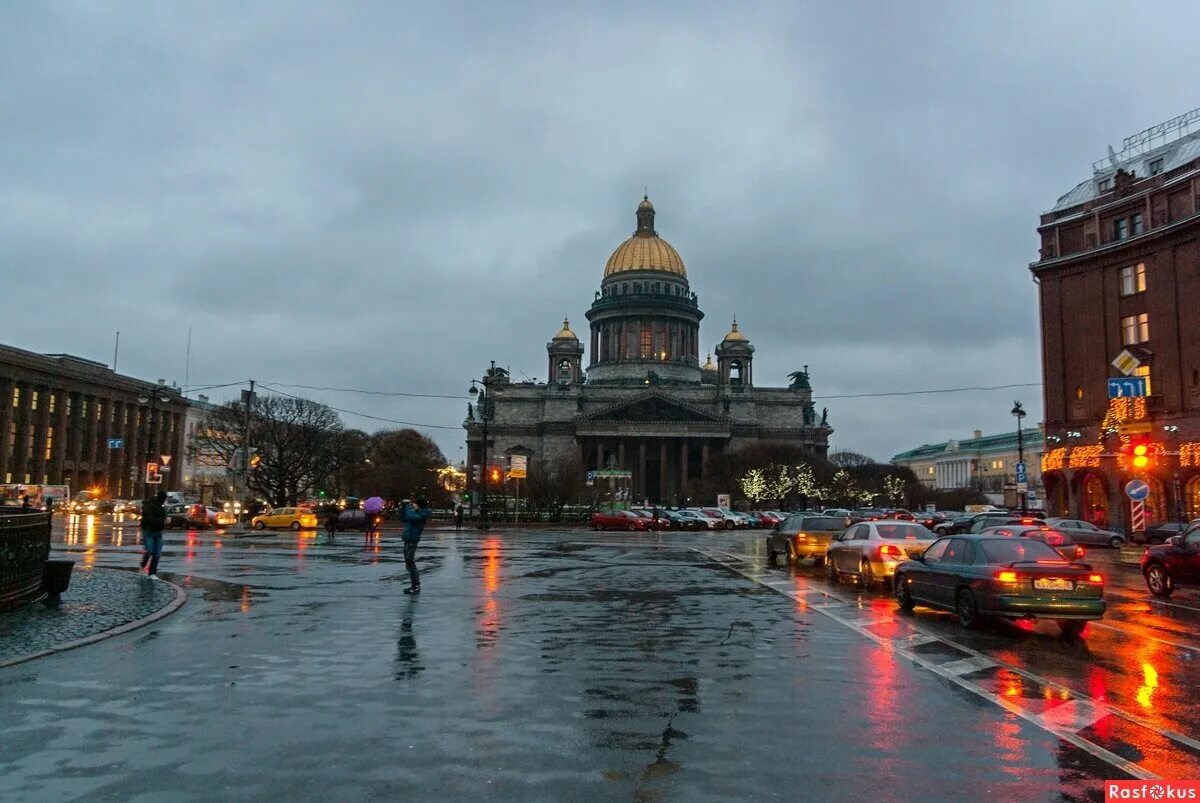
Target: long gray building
{"type": "Point", "coordinates": [644, 402]}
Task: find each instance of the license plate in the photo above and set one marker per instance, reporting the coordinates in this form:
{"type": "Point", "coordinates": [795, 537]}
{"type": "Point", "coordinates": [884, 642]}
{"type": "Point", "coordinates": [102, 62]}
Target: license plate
{"type": "Point", "coordinates": [1053, 584]}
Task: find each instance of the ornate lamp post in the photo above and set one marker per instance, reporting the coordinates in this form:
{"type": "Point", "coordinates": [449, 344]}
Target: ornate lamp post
{"type": "Point", "coordinates": [479, 388]}
{"type": "Point", "coordinates": [1019, 412]}
{"type": "Point", "coordinates": [152, 399]}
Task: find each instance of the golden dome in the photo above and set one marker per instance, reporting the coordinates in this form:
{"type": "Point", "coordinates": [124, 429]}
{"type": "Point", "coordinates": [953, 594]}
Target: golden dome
{"type": "Point", "coordinates": [734, 334]}
{"type": "Point", "coordinates": [645, 250]}
{"type": "Point", "coordinates": [708, 366]}
{"type": "Point", "coordinates": [565, 333]}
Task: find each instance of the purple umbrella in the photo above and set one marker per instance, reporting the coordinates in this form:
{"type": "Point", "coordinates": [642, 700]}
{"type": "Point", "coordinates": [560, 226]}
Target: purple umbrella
{"type": "Point", "coordinates": [373, 505]}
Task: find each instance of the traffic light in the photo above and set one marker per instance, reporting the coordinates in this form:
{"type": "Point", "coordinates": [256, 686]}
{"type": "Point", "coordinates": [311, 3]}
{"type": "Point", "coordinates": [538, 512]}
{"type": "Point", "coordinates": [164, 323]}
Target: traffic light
{"type": "Point", "coordinates": [255, 459]}
{"type": "Point", "coordinates": [1138, 453]}
{"type": "Point", "coordinates": [476, 474]}
{"type": "Point", "coordinates": [495, 475]}
{"type": "Point", "coordinates": [152, 475]}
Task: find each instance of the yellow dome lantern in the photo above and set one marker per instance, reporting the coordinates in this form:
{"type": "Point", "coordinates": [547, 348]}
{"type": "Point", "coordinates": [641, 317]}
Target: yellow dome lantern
{"type": "Point", "coordinates": [565, 333]}
{"type": "Point", "coordinates": [708, 366]}
{"type": "Point", "coordinates": [734, 335]}
{"type": "Point", "coordinates": [645, 250]}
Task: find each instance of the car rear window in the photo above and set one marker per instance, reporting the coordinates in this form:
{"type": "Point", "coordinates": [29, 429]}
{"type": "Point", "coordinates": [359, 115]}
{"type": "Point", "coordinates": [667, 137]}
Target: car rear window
{"type": "Point", "coordinates": [902, 531]}
{"type": "Point", "coordinates": [824, 523]}
{"type": "Point", "coordinates": [1006, 550]}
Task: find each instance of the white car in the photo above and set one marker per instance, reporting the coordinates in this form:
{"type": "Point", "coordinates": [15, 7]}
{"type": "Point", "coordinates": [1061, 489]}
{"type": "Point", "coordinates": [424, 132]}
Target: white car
{"type": "Point", "coordinates": [705, 521]}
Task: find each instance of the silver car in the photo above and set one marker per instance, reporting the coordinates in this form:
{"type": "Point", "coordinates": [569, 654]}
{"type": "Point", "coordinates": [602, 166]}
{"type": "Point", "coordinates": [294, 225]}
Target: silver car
{"type": "Point", "coordinates": [871, 550]}
{"type": "Point", "coordinates": [1086, 533]}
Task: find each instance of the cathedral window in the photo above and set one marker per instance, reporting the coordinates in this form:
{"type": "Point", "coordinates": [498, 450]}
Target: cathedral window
{"type": "Point", "coordinates": [647, 344]}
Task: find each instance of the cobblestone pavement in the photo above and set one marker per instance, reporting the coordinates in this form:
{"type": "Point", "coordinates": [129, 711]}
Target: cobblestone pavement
{"type": "Point", "coordinates": [97, 600]}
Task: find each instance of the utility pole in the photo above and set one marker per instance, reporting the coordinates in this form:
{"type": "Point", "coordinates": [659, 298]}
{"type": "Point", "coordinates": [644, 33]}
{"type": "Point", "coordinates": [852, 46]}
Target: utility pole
{"type": "Point", "coordinates": [246, 446]}
{"type": "Point", "coordinates": [1019, 412]}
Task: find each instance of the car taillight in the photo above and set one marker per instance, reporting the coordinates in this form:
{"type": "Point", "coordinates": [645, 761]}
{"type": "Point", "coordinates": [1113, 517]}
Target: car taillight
{"type": "Point", "coordinates": [1007, 577]}
{"type": "Point", "coordinates": [1079, 552]}
{"type": "Point", "coordinates": [890, 550]}
{"type": "Point", "coordinates": [1054, 539]}
{"type": "Point", "coordinates": [801, 536]}
{"type": "Point", "coordinates": [1095, 578]}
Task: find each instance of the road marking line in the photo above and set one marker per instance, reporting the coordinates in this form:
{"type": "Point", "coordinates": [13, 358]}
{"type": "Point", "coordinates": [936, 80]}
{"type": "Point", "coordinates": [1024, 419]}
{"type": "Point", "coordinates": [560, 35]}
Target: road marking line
{"type": "Point", "coordinates": [1034, 718]}
{"type": "Point", "coordinates": [1076, 714]}
{"type": "Point", "coordinates": [966, 666]}
{"type": "Point", "coordinates": [1133, 634]}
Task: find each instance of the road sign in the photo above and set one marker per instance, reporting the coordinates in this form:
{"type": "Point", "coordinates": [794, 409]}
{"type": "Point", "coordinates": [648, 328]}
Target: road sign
{"type": "Point", "coordinates": [613, 473]}
{"type": "Point", "coordinates": [165, 459]}
{"type": "Point", "coordinates": [723, 500]}
{"type": "Point", "coordinates": [116, 443]}
{"type": "Point", "coordinates": [1126, 363]}
{"type": "Point", "coordinates": [1137, 516]}
{"type": "Point", "coordinates": [1137, 490]}
{"type": "Point", "coordinates": [1127, 387]}
{"type": "Point", "coordinates": [1022, 474]}
{"type": "Point", "coordinates": [164, 469]}
{"type": "Point", "coordinates": [1135, 428]}
{"type": "Point", "coordinates": [1022, 487]}
{"type": "Point", "coordinates": [591, 478]}
{"type": "Point", "coordinates": [518, 466]}
{"type": "Point", "coordinates": [152, 475]}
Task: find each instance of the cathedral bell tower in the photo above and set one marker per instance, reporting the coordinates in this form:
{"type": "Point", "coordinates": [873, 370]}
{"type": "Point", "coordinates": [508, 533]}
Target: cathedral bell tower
{"type": "Point", "coordinates": [735, 359]}
{"type": "Point", "coordinates": [566, 357]}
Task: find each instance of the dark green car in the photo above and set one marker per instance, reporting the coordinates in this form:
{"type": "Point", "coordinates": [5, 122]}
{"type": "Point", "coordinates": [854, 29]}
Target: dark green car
{"type": "Point", "coordinates": [980, 577]}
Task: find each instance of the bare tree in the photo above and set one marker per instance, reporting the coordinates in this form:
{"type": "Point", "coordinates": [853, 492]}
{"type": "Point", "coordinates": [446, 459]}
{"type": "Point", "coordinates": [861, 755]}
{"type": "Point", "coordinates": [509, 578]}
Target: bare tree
{"type": "Point", "coordinates": [404, 464]}
{"type": "Point", "coordinates": [554, 485]}
{"type": "Point", "coordinates": [846, 459]}
{"type": "Point", "coordinates": [293, 437]}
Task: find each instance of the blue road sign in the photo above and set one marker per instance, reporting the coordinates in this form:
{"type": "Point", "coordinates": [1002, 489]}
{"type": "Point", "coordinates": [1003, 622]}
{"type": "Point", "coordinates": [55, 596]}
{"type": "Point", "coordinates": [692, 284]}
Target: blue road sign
{"type": "Point", "coordinates": [115, 443]}
{"type": "Point", "coordinates": [1022, 476]}
{"type": "Point", "coordinates": [1137, 490]}
{"type": "Point", "coordinates": [1126, 386]}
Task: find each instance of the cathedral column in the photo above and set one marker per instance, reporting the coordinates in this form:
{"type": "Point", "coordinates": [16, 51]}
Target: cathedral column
{"type": "Point", "coordinates": [621, 453]}
{"type": "Point", "coordinates": [641, 473]}
{"type": "Point", "coordinates": [683, 466]}
{"type": "Point", "coordinates": [703, 459]}
{"type": "Point", "coordinates": [663, 469]}
{"type": "Point", "coordinates": [599, 454]}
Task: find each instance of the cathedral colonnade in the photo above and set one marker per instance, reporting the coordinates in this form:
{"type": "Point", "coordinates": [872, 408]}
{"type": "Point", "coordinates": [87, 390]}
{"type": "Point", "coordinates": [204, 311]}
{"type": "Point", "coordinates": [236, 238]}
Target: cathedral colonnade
{"type": "Point", "coordinates": [663, 467]}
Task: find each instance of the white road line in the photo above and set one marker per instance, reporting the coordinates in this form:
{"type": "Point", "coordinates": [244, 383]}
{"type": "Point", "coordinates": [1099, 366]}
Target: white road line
{"type": "Point", "coordinates": [966, 666]}
{"type": "Point", "coordinates": [1036, 719]}
{"type": "Point", "coordinates": [1076, 714]}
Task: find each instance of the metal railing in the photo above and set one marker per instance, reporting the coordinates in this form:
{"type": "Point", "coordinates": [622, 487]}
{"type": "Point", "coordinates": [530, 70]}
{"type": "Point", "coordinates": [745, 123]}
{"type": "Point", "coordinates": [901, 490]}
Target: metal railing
{"type": "Point", "coordinates": [24, 549]}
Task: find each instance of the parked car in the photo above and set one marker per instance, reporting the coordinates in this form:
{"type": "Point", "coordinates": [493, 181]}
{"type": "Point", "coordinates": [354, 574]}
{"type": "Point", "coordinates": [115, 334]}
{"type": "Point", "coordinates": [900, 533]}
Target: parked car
{"type": "Point", "coordinates": [1084, 532]}
{"type": "Point", "coordinates": [294, 518]}
{"type": "Point", "coordinates": [1056, 539]}
{"type": "Point", "coordinates": [767, 519]}
{"type": "Point", "coordinates": [728, 520]}
{"type": "Point", "coordinates": [1159, 533]}
{"type": "Point", "coordinates": [701, 520]}
{"type": "Point", "coordinates": [988, 520]}
{"type": "Point", "coordinates": [1175, 563]}
{"type": "Point", "coordinates": [190, 517]}
{"type": "Point", "coordinates": [803, 535]}
{"type": "Point", "coordinates": [618, 520]}
{"type": "Point", "coordinates": [752, 522]}
{"type": "Point", "coordinates": [871, 551]}
{"type": "Point", "coordinates": [660, 523]}
{"type": "Point", "coordinates": [983, 576]}
{"type": "Point", "coordinates": [220, 518]}
{"type": "Point", "coordinates": [681, 522]}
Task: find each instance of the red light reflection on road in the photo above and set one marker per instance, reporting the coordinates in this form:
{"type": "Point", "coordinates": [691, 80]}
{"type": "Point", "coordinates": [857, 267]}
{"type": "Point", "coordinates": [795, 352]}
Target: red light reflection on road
{"type": "Point", "coordinates": [245, 600]}
{"type": "Point", "coordinates": [487, 624]}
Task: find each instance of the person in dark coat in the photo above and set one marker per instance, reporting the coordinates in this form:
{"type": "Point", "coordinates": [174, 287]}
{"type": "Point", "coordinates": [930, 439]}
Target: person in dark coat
{"type": "Point", "coordinates": [414, 517]}
{"type": "Point", "coordinates": [154, 519]}
{"type": "Point", "coordinates": [458, 518]}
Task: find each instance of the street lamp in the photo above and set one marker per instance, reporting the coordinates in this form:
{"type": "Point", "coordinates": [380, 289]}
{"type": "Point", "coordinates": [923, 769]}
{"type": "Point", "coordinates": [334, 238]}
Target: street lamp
{"type": "Point", "coordinates": [479, 388]}
{"type": "Point", "coordinates": [152, 399]}
{"type": "Point", "coordinates": [1019, 412]}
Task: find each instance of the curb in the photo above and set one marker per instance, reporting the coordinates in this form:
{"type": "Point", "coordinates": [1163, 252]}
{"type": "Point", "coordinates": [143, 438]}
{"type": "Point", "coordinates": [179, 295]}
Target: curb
{"type": "Point", "coordinates": [167, 610]}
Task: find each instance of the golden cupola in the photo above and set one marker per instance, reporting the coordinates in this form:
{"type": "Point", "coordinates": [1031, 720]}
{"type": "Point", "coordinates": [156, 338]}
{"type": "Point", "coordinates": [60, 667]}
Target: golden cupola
{"type": "Point", "coordinates": [645, 250]}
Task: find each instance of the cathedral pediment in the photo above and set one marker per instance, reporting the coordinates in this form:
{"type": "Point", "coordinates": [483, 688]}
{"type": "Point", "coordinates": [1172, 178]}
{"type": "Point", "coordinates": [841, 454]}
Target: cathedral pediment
{"type": "Point", "coordinates": [652, 406]}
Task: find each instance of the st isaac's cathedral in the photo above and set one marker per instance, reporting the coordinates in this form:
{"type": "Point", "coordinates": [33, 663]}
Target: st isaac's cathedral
{"type": "Point", "coordinates": [643, 402]}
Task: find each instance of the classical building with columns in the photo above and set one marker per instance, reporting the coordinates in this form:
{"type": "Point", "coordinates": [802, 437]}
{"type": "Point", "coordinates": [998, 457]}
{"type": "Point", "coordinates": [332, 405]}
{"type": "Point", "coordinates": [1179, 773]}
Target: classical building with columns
{"type": "Point", "coordinates": [58, 414]}
{"type": "Point", "coordinates": [643, 402]}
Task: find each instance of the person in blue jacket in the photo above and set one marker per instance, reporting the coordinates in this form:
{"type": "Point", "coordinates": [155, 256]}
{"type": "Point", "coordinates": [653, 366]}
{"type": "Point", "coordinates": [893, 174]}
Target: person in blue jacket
{"type": "Point", "coordinates": [414, 517]}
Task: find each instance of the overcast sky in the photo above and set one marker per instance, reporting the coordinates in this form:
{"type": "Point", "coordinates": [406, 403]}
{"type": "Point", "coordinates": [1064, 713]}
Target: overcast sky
{"type": "Point", "coordinates": [386, 197]}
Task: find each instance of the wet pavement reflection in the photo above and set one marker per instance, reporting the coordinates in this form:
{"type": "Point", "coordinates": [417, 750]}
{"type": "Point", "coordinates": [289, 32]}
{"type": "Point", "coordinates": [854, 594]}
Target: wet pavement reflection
{"type": "Point", "coordinates": [570, 665]}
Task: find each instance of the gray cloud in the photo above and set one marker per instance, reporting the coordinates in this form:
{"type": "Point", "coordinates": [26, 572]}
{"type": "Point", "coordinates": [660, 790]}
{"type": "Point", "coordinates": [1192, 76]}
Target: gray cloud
{"type": "Point", "coordinates": [387, 196]}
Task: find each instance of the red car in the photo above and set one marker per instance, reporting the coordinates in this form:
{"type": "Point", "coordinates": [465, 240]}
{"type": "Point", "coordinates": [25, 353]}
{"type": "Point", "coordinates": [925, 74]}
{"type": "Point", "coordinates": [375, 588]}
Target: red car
{"type": "Point", "coordinates": [1175, 563]}
{"type": "Point", "coordinates": [766, 518]}
{"type": "Point", "coordinates": [618, 520]}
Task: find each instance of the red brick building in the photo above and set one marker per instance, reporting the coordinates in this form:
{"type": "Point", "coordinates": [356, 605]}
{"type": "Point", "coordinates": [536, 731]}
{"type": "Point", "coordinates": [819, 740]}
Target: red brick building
{"type": "Point", "coordinates": [1119, 269]}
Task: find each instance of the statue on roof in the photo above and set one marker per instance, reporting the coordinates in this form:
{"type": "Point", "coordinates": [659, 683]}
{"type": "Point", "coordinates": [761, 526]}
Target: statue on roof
{"type": "Point", "coordinates": [799, 380]}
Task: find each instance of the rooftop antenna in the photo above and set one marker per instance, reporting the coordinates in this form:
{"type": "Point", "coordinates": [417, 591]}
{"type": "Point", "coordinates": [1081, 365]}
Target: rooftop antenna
{"type": "Point", "coordinates": [116, 349]}
{"type": "Point", "coordinates": [187, 362]}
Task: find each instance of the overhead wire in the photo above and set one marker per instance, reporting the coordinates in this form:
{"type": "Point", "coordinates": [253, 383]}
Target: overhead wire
{"type": "Point", "coordinates": [274, 389]}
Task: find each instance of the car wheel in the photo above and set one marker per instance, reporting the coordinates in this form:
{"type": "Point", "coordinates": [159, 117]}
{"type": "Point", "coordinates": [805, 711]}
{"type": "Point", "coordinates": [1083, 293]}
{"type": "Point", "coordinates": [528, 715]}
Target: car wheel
{"type": "Point", "coordinates": [791, 553]}
{"type": "Point", "coordinates": [904, 595]}
{"type": "Point", "coordinates": [1115, 542]}
{"type": "Point", "coordinates": [259, 525]}
{"type": "Point", "coordinates": [1158, 581]}
{"type": "Point", "coordinates": [818, 560]}
{"type": "Point", "coordinates": [967, 610]}
{"type": "Point", "coordinates": [631, 527]}
{"type": "Point", "coordinates": [1071, 628]}
{"type": "Point", "coordinates": [866, 574]}
{"type": "Point", "coordinates": [831, 571]}
{"type": "Point", "coordinates": [295, 525]}
{"type": "Point", "coordinates": [772, 555]}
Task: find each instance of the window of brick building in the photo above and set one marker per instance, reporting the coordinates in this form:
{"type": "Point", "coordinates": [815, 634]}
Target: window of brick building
{"type": "Point", "coordinates": [1156, 166]}
{"type": "Point", "coordinates": [49, 443]}
{"type": "Point", "coordinates": [1104, 184]}
{"type": "Point", "coordinates": [51, 400]}
{"type": "Point", "coordinates": [1144, 372]}
{"type": "Point", "coordinates": [1120, 229]}
{"type": "Point", "coordinates": [1135, 329]}
{"type": "Point", "coordinates": [1136, 220]}
{"type": "Point", "coordinates": [1133, 279]}
{"type": "Point", "coordinates": [16, 397]}
{"type": "Point", "coordinates": [33, 399]}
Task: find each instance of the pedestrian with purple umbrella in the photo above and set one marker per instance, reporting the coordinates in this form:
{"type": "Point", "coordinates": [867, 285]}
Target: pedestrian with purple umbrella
{"type": "Point", "coordinates": [372, 508]}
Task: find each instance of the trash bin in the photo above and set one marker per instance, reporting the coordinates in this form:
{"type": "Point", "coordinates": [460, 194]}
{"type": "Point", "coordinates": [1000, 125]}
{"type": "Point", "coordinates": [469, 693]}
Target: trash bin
{"type": "Point", "coordinates": [56, 576]}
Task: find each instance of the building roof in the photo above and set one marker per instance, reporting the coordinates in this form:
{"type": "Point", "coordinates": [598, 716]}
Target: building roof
{"type": "Point", "coordinates": [734, 335]}
{"type": "Point", "coordinates": [645, 250]}
{"type": "Point", "coordinates": [1135, 156]}
{"type": "Point", "coordinates": [565, 333]}
{"type": "Point", "coordinates": [1004, 442]}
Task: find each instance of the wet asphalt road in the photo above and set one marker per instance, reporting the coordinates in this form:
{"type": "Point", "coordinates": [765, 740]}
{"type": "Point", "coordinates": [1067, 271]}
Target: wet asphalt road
{"type": "Point", "coordinates": [571, 665]}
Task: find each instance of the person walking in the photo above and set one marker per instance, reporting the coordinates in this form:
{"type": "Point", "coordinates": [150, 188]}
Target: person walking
{"type": "Point", "coordinates": [414, 517]}
{"type": "Point", "coordinates": [458, 518]}
{"type": "Point", "coordinates": [154, 518]}
{"type": "Point", "coordinates": [372, 512]}
{"type": "Point", "coordinates": [332, 514]}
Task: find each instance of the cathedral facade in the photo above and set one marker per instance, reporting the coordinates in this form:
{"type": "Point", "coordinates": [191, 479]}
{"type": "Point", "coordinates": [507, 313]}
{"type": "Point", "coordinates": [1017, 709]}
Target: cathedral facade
{"type": "Point", "coordinates": [643, 402]}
